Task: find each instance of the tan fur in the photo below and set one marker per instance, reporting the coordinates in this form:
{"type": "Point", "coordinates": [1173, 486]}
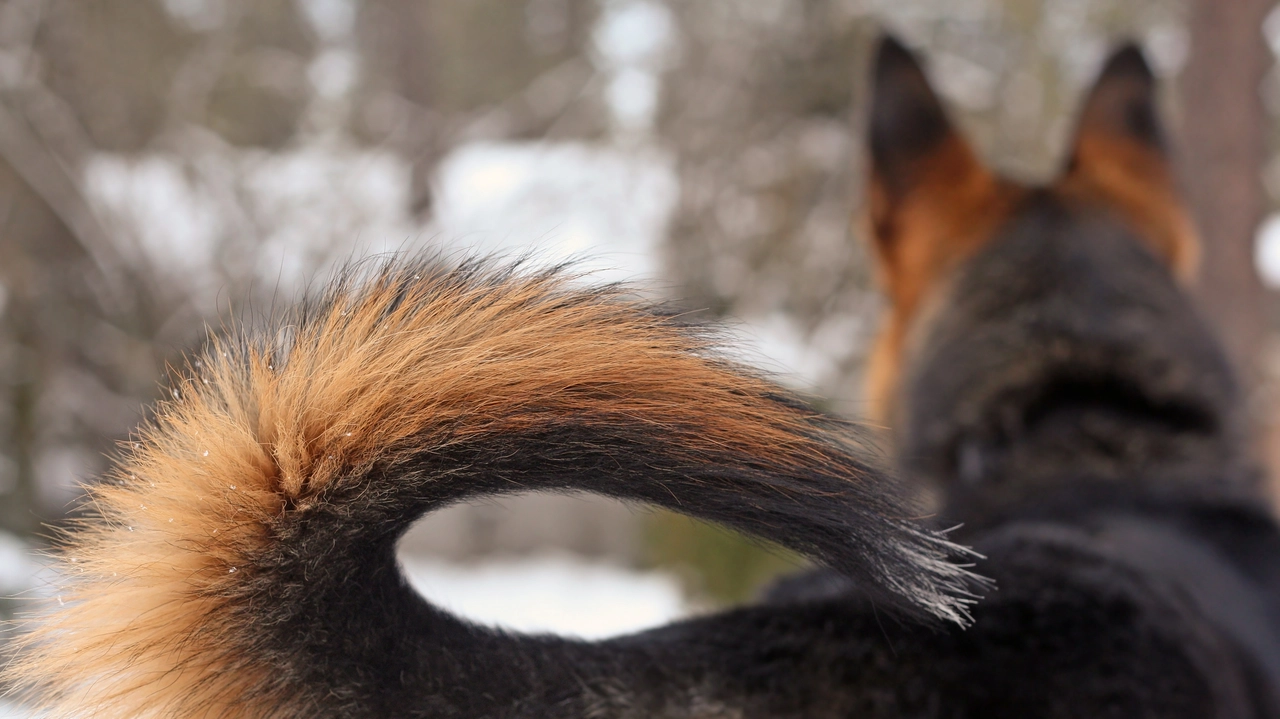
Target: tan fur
{"type": "Point", "coordinates": [1139, 184]}
{"type": "Point", "coordinates": [955, 205]}
{"type": "Point", "coordinates": [951, 211]}
{"type": "Point", "coordinates": [140, 626]}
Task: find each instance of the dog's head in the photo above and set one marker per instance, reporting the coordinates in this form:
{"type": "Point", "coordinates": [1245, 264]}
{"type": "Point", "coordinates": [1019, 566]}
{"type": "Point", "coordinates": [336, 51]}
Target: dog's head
{"type": "Point", "coordinates": [1037, 330]}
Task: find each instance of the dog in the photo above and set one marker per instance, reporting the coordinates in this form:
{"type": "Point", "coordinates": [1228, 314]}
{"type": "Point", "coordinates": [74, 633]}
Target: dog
{"type": "Point", "coordinates": [1044, 370]}
{"type": "Point", "coordinates": [1041, 363]}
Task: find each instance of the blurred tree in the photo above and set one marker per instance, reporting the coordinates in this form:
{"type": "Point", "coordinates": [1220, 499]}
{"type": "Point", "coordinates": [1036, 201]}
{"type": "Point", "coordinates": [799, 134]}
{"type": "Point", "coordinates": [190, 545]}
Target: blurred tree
{"type": "Point", "coordinates": [433, 70]}
{"type": "Point", "coordinates": [257, 64]}
{"type": "Point", "coordinates": [88, 319]}
{"type": "Point", "coordinates": [112, 64]}
{"type": "Point", "coordinates": [761, 110]}
{"type": "Point", "coordinates": [1224, 139]}
{"type": "Point", "coordinates": [127, 71]}
{"type": "Point", "coordinates": [86, 323]}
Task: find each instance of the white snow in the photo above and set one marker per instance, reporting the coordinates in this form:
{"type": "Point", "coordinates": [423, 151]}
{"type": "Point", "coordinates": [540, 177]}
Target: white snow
{"type": "Point", "coordinates": [332, 19]}
{"type": "Point", "coordinates": [18, 567]}
{"type": "Point", "coordinates": [632, 43]}
{"type": "Point", "coordinates": [569, 200]}
{"type": "Point", "coordinates": [635, 32]}
{"type": "Point", "coordinates": [554, 593]}
{"type": "Point", "coordinates": [285, 216]}
{"type": "Point", "coordinates": [1266, 251]}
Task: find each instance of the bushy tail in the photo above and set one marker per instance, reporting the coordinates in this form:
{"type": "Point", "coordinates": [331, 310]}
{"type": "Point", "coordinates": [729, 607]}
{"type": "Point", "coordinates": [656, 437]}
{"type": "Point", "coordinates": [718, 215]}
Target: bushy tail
{"type": "Point", "coordinates": [240, 560]}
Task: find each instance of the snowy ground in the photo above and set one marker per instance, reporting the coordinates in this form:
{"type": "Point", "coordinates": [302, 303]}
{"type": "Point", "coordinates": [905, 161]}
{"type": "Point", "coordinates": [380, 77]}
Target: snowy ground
{"type": "Point", "coordinates": [554, 593]}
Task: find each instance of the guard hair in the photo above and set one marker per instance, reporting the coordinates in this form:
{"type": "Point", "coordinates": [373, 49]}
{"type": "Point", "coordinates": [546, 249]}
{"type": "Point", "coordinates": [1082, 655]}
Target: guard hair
{"type": "Point", "coordinates": [239, 560]}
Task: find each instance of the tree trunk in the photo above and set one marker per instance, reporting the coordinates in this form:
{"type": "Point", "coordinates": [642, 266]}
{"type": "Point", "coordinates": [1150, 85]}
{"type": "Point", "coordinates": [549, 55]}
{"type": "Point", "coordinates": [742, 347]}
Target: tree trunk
{"type": "Point", "coordinates": [1224, 140]}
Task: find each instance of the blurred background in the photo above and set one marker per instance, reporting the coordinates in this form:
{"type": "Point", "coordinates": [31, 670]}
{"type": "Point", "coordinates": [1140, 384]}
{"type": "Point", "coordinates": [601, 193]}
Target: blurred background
{"type": "Point", "coordinates": [168, 166]}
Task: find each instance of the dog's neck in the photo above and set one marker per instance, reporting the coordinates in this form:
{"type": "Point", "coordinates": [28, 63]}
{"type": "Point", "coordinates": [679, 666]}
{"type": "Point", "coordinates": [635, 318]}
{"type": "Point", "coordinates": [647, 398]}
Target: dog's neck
{"type": "Point", "coordinates": [1066, 352]}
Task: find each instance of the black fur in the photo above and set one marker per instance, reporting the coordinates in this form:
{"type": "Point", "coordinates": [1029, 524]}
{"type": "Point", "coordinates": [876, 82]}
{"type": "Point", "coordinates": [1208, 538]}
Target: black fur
{"type": "Point", "coordinates": [1064, 349]}
{"type": "Point", "coordinates": [1067, 391]}
{"type": "Point", "coordinates": [316, 613]}
{"type": "Point", "coordinates": [907, 121]}
{"type": "Point", "coordinates": [347, 621]}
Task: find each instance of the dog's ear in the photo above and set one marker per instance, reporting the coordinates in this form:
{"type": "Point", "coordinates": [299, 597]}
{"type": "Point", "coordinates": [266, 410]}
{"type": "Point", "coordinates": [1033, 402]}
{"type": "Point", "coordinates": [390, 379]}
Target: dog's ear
{"type": "Point", "coordinates": [1120, 154]}
{"type": "Point", "coordinates": [1121, 108]}
{"type": "Point", "coordinates": [916, 153]}
{"type": "Point", "coordinates": [919, 161]}
{"type": "Point", "coordinates": [931, 202]}
{"type": "Point", "coordinates": [908, 125]}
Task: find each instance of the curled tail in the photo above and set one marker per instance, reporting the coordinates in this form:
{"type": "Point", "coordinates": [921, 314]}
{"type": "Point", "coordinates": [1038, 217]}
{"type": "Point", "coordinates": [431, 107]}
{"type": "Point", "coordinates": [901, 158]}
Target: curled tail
{"type": "Point", "coordinates": [241, 558]}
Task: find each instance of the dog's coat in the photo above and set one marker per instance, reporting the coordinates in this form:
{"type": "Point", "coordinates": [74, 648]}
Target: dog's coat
{"type": "Point", "coordinates": [1045, 370]}
{"type": "Point", "coordinates": [241, 559]}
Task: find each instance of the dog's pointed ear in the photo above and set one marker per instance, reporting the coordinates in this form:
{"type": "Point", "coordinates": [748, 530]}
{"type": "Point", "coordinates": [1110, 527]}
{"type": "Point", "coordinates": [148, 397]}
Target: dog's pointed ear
{"type": "Point", "coordinates": [1121, 108]}
{"type": "Point", "coordinates": [916, 152]}
{"type": "Point", "coordinates": [930, 203]}
{"type": "Point", "coordinates": [1121, 154]}
{"type": "Point", "coordinates": [907, 120]}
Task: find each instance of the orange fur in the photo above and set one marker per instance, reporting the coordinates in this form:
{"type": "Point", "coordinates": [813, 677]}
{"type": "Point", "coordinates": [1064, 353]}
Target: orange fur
{"type": "Point", "coordinates": [954, 205]}
{"type": "Point", "coordinates": [144, 623]}
{"type": "Point", "coordinates": [1137, 182]}
{"type": "Point", "coordinates": [950, 213]}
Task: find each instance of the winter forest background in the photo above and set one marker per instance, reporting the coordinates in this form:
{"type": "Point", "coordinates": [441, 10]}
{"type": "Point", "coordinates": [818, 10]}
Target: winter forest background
{"type": "Point", "coordinates": [168, 166]}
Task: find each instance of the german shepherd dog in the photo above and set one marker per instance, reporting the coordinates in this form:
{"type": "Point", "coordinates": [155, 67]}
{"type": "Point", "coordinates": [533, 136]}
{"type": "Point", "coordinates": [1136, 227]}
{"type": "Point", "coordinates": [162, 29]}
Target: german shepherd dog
{"type": "Point", "coordinates": [1043, 367]}
{"type": "Point", "coordinates": [1041, 362]}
